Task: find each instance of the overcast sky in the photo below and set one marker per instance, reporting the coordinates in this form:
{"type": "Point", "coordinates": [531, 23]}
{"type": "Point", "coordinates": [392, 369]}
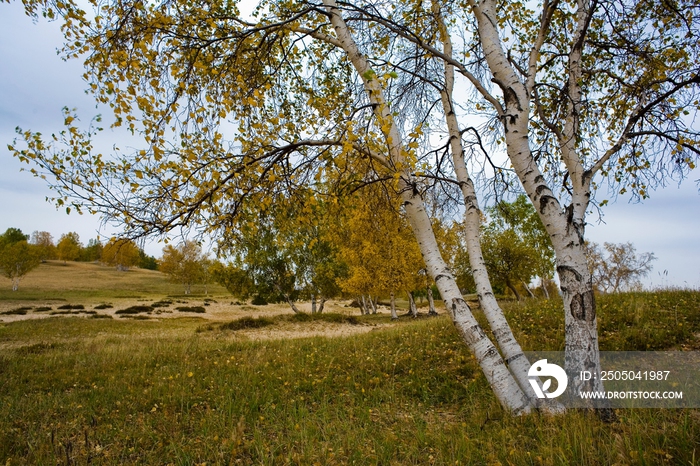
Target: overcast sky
{"type": "Point", "coordinates": [35, 84]}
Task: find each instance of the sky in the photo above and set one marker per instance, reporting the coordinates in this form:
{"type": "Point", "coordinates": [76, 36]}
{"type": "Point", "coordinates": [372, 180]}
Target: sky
{"type": "Point", "coordinates": [35, 84]}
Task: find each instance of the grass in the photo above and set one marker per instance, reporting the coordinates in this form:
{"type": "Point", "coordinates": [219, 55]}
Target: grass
{"type": "Point", "coordinates": [57, 280]}
{"type": "Point", "coordinates": [247, 322]}
{"type": "Point", "coordinates": [94, 391]}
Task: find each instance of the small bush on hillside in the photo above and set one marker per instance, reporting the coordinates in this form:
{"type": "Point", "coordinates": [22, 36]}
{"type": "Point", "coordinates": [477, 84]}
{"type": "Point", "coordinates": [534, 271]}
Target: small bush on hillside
{"type": "Point", "coordinates": [258, 301]}
{"type": "Point", "coordinates": [162, 303]}
{"type": "Point", "coordinates": [197, 309]}
{"type": "Point", "coordinates": [104, 306]}
{"type": "Point", "coordinates": [71, 306]}
{"type": "Point", "coordinates": [42, 309]}
{"type": "Point", "coordinates": [247, 322]}
{"type": "Point", "coordinates": [101, 316]}
{"type": "Point", "coordinates": [330, 317]}
{"type": "Point", "coordinates": [17, 312]}
{"type": "Point", "coordinates": [135, 310]}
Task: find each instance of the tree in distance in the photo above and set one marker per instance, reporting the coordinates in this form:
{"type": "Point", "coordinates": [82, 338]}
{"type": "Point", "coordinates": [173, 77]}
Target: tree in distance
{"type": "Point", "coordinates": [184, 264]}
{"type": "Point", "coordinates": [621, 268]}
{"type": "Point", "coordinates": [516, 246]}
{"type": "Point", "coordinates": [69, 247]}
{"type": "Point", "coordinates": [17, 256]}
{"type": "Point", "coordinates": [43, 240]}
{"type": "Point", "coordinates": [121, 253]}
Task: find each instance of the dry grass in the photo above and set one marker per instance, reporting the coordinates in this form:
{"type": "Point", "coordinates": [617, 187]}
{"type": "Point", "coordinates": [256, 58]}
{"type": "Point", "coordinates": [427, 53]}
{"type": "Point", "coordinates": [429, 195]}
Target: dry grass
{"type": "Point", "coordinates": [111, 293]}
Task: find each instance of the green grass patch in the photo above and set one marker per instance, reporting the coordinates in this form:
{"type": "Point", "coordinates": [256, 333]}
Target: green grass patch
{"type": "Point", "coordinates": [247, 322]}
{"type": "Point", "coordinates": [325, 317]}
{"type": "Point", "coordinates": [105, 391]}
{"type": "Point", "coordinates": [135, 317]}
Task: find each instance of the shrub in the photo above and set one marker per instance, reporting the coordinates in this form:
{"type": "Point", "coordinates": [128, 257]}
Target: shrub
{"type": "Point", "coordinates": [42, 309]}
{"type": "Point", "coordinates": [71, 306]}
{"type": "Point", "coordinates": [135, 310]}
{"type": "Point", "coordinates": [162, 303]}
{"type": "Point", "coordinates": [17, 312]}
{"type": "Point", "coordinates": [330, 317]}
{"type": "Point", "coordinates": [247, 322]}
{"type": "Point", "coordinates": [104, 306]}
{"type": "Point", "coordinates": [258, 301]}
{"type": "Point", "coordinates": [197, 309]}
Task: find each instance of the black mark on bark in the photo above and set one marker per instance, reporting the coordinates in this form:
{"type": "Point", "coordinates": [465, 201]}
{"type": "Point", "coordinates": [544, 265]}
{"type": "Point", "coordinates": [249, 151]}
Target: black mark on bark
{"type": "Point", "coordinates": [583, 306]}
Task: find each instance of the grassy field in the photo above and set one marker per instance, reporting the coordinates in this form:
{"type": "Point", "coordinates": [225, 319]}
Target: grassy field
{"type": "Point", "coordinates": [194, 391]}
{"type": "Point", "coordinates": [56, 280]}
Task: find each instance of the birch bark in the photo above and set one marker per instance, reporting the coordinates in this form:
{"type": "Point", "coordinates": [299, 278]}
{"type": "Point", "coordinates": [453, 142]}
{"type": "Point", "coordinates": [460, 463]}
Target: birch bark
{"type": "Point", "coordinates": [512, 351]}
{"type": "Point", "coordinates": [500, 379]}
{"type": "Point", "coordinates": [431, 301]}
{"type": "Point", "coordinates": [564, 226]}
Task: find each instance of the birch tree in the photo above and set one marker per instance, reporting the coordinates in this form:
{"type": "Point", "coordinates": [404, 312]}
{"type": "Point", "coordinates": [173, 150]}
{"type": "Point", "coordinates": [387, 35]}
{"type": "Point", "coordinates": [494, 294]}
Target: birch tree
{"type": "Point", "coordinates": [17, 256]}
{"type": "Point", "coordinates": [582, 90]}
{"type": "Point", "coordinates": [184, 264]}
{"type": "Point", "coordinates": [121, 253]}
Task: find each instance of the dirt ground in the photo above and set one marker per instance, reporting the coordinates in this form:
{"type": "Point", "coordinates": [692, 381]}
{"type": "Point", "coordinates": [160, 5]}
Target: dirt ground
{"type": "Point", "coordinates": [216, 311]}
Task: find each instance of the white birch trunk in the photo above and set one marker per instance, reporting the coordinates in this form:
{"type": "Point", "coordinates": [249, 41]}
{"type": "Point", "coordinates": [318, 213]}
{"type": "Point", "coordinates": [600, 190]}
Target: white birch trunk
{"type": "Point", "coordinates": [431, 301]}
{"type": "Point", "coordinates": [500, 379]}
{"type": "Point", "coordinates": [545, 283]}
{"type": "Point", "coordinates": [512, 351]}
{"type": "Point", "coordinates": [565, 227]}
{"type": "Point", "coordinates": [291, 303]}
{"type": "Point", "coordinates": [313, 304]}
{"type": "Point", "coordinates": [527, 288]}
{"type": "Point", "coordinates": [412, 304]}
{"type": "Point", "coordinates": [394, 315]}
{"type": "Point", "coordinates": [321, 304]}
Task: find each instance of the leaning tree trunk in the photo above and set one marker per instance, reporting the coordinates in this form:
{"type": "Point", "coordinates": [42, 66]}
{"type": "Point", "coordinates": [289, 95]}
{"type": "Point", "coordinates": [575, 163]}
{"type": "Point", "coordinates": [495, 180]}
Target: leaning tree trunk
{"type": "Point", "coordinates": [504, 386]}
{"type": "Point", "coordinates": [512, 288]}
{"type": "Point", "coordinates": [527, 288]}
{"type": "Point", "coordinates": [373, 302]}
{"type": "Point", "coordinates": [545, 284]}
{"type": "Point", "coordinates": [431, 301]}
{"type": "Point", "coordinates": [565, 227]}
{"type": "Point", "coordinates": [291, 303]}
{"type": "Point", "coordinates": [412, 309]}
{"type": "Point", "coordinates": [365, 308]}
{"type": "Point", "coordinates": [322, 302]}
{"type": "Point", "coordinates": [512, 351]}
